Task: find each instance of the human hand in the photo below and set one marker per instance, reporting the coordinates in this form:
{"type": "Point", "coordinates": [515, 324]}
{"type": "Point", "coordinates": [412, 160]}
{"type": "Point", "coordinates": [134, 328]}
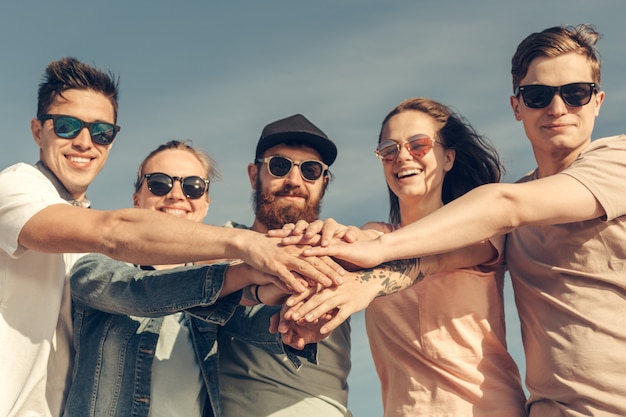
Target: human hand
{"type": "Point", "coordinates": [363, 253]}
{"type": "Point", "coordinates": [327, 308]}
{"type": "Point", "coordinates": [297, 334]}
{"type": "Point", "coordinates": [288, 264]}
{"type": "Point", "coordinates": [319, 232]}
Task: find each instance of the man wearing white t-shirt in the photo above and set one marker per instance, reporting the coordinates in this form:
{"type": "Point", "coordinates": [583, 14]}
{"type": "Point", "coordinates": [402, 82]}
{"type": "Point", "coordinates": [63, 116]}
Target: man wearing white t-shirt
{"type": "Point", "coordinates": [44, 224]}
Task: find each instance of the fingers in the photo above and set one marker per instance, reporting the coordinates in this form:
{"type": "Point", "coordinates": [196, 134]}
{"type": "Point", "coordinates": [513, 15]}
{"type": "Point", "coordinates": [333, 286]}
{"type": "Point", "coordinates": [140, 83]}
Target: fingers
{"type": "Point", "coordinates": [351, 235]}
{"type": "Point", "coordinates": [281, 233]}
{"type": "Point", "coordinates": [293, 282]}
{"type": "Point", "coordinates": [333, 323]}
{"type": "Point", "coordinates": [290, 229]}
{"type": "Point", "coordinates": [311, 308]}
{"type": "Point", "coordinates": [274, 320]}
{"type": "Point", "coordinates": [331, 229]}
{"type": "Point", "coordinates": [321, 271]}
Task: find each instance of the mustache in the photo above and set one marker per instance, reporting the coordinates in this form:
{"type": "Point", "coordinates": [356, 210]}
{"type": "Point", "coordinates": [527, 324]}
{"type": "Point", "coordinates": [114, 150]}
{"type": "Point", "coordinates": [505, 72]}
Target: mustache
{"type": "Point", "coordinates": [284, 192]}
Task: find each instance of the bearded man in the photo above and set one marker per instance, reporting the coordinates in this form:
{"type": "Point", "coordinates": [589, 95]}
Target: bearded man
{"type": "Point", "coordinates": [289, 177]}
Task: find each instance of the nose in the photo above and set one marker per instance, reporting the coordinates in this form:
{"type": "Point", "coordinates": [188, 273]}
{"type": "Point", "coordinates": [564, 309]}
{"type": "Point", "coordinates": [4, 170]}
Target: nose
{"type": "Point", "coordinates": [403, 152]}
{"type": "Point", "coordinates": [176, 193]}
{"type": "Point", "coordinates": [557, 106]}
{"type": "Point", "coordinates": [294, 176]}
{"type": "Point", "coordinates": [82, 141]}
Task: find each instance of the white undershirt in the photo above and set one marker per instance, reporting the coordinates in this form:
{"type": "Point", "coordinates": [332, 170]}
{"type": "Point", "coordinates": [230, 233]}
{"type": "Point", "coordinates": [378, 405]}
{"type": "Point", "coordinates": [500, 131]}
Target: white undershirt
{"type": "Point", "coordinates": [176, 380]}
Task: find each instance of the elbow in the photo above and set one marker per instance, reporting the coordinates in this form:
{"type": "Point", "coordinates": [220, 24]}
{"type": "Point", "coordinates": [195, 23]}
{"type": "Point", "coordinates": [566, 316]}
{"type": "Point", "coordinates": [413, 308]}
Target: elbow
{"type": "Point", "coordinates": [115, 239]}
{"type": "Point", "coordinates": [502, 200]}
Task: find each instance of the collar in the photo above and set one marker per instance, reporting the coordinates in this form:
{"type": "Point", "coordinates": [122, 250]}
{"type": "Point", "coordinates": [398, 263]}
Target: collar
{"type": "Point", "coordinates": [65, 195]}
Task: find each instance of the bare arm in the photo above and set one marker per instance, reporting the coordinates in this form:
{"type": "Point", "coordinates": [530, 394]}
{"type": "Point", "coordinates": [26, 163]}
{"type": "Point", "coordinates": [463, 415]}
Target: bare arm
{"type": "Point", "coordinates": [484, 212]}
{"type": "Point", "coordinates": [148, 238]}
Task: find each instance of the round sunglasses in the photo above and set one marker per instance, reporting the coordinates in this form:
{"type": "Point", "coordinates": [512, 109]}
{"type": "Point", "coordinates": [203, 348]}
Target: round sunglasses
{"type": "Point", "coordinates": [538, 96]}
{"type": "Point", "coordinates": [280, 166]}
{"type": "Point", "coordinates": [161, 184]}
{"type": "Point", "coordinates": [68, 127]}
{"type": "Point", "coordinates": [418, 146]}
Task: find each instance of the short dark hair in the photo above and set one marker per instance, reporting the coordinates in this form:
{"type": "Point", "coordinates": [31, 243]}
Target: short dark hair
{"type": "Point", "coordinates": [70, 73]}
{"type": "Point", "coordinates": [554, 42]}
{"type": "Point", "coordinates": [476, 161]}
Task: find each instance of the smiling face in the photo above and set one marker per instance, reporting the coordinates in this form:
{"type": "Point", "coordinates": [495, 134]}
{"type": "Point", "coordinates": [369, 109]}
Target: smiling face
{"type": "Point", "coordinates": [417, 182]}
{"type": "Point", "coordinates": [287, 199]}
{"type": "Point", "coordinates": [175, 163]}
{"type": "Point", "coordinates": [75, 162]}
{"type": "Point", "coordinates": [558, 132]}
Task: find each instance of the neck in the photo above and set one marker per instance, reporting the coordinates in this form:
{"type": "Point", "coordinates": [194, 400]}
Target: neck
{"type": "Point", "coordinates": [550, 163]}
{"type": "Point", "coordinates": [411, 211]}
{"type": "Point", "coordinates": [257, 226]}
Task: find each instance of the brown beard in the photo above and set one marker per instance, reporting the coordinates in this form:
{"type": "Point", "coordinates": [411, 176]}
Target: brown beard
{"type": "Point", "coordinates": [274, 215]}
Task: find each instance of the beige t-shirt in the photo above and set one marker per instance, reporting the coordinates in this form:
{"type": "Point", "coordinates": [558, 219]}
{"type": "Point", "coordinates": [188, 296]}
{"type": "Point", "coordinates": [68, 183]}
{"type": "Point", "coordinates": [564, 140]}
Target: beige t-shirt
{"type": "Point", "coordinates": [440, 349]}
{"type": "Point", "coordinates": [570, 289]}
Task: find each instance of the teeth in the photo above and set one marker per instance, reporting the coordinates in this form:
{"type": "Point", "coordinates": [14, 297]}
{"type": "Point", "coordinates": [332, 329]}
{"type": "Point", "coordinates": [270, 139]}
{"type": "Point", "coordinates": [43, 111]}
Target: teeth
{"type": "Point", "coordinates": [175, 212]}
{"type": "Point", "coordinates": [78, 160]}
{"type": "Point", "coordinates": [406, 173]}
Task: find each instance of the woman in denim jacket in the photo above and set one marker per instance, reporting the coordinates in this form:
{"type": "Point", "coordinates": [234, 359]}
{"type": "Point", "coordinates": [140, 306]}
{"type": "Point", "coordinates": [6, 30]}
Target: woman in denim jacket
{"type": "Point", "coordinates": [145, 337]}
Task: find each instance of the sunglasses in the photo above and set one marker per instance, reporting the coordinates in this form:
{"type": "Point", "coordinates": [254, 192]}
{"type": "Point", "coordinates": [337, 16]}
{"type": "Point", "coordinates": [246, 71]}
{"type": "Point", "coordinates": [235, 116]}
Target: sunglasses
{"type": "Point", "coordinates": [418, 146]}
{"type": "Point", "coordinates": [280, 166]}
{"type": "Point", "coordinates": [68, 127]}
{"type": "Point", "coordinates": [537, 96]}
{"type": "Point", "coordinates": [161, 184]}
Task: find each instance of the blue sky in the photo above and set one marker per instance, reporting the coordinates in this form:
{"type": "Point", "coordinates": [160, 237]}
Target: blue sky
{"type": "Point", "coordinates": [217, 72]}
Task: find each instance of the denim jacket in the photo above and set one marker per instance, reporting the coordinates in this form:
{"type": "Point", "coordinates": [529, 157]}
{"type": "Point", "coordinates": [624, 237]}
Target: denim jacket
{"type": "Point", "coordinates": [118, 311]}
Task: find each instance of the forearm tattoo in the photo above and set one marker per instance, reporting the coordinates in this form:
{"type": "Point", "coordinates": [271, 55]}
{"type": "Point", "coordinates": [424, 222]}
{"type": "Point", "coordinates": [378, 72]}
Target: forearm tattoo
{"type": "Point", "coordinates": [393, 275]}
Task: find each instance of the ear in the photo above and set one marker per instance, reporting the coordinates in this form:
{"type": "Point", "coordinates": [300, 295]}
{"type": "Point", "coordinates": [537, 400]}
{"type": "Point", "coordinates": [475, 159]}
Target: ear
{"type": "Point", "coordinates": [599, 99]}
{"type": "Point", "coordinates": [515, 105]}
{"type": "Point", "coordinates": [136, 199]}
{"type": "Point", "coordinates": [35, 128]}
{"type": "Point", "coordinates": [450, 155]}
{"type": "Point", "coordinates": [253, 172]}
{"type": "Point", "coordinates": [208, 203]}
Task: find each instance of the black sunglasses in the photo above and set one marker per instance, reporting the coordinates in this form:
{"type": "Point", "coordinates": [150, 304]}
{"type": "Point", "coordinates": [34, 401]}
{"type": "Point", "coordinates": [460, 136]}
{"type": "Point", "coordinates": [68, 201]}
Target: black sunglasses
{"type": "Point", "coordinates": [161, 184]}
{"type": "Point", "coordinates": [280, 166]}
{"type": "Point", "coordinates": [537, 96]}
{"type": "Point", "coordinates": [68, 127]}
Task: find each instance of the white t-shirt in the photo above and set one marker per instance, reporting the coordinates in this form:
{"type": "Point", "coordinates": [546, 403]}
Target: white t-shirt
{"type": "Point", "coordinates": [31, 290]}
{"type": "Point", "coordinates": [177, 388]}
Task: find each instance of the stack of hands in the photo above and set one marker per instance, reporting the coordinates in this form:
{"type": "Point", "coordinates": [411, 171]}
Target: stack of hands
{"type": "Point", "coordinates": [310, 315]}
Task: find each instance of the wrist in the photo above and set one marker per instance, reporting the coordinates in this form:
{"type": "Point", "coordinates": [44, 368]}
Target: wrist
{"type": "Point", "coordinates": [251, 293]}
{"type": "Point", "coordinates": [256, 294]}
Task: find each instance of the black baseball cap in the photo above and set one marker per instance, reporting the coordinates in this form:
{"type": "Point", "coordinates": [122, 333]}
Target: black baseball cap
{"type": "Point", "coordinates": [297, 128]}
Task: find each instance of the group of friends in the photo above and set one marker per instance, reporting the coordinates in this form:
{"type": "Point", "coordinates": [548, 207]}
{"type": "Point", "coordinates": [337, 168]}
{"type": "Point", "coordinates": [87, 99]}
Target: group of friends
{"type": "Point", "coordinates": [149, 311]}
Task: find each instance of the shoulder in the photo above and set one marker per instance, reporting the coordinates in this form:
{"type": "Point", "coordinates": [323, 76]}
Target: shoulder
{"type": "Point", "coordinates": [614, 143]}
{"type": "Point", "coordinates": [89, 260]}
{"type": "Point", "coordinates": [235, 225]}
{"type": "Point", "coordinates": [25, 179]}
{"type": "Point", "coordinates": [380, 227]}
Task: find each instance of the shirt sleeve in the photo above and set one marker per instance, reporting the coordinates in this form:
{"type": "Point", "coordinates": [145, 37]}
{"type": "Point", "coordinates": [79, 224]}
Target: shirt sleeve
{"type": "Point", "coordinates": [116, 287]}
{"type": "Point", "coordinates": [24, 191]}
{"type": "Point", "coordinates": [602, 169]}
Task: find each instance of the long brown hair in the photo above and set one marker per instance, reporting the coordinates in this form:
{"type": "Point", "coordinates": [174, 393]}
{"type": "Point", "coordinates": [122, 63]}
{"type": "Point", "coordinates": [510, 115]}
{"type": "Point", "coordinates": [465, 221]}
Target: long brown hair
{"type": "Point", "coordinates": [476, 161]}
